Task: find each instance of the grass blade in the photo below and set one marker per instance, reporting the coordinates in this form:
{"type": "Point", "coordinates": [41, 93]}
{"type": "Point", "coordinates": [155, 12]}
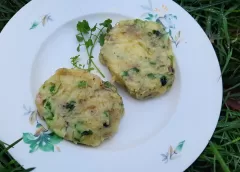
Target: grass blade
{"type": "Point", "coordinates": [219, 157]}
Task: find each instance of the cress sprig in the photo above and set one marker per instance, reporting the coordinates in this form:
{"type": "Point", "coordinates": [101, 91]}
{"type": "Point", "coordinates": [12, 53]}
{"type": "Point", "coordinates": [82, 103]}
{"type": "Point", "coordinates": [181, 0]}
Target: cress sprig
{"type": "Point", "coordinates": [88, 37]}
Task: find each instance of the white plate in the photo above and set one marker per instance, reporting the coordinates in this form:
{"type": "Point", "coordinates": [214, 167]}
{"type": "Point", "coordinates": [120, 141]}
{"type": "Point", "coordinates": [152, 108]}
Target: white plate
{"type": "Point", "coordinates": [163, 134]}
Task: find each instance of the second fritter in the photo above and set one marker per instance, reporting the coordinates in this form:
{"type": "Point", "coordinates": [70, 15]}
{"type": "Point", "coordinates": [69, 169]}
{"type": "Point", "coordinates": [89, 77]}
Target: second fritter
{"type": "Point", "coordinates": [139, 56]}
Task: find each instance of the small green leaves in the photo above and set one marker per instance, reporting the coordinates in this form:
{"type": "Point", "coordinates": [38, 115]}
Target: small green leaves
{"type": "Point", "coordinates": [106, 114]}
{"type": "Point", "coordinates": [75, 62]}
{"type": "Point", "coordinates": [102, 39]}
{"type": "Point", "coordinates": [47, 105]}
{"type": "Point", "coordinates": [107, 84]}
{"type": "Point", "coordinates": [83, 27]}
{"type": "Point", "coordinates": [52, 88]}
{"type": "Point", "coordinates": [82, 84]}
{"type": "Point", "coordinates": [70, 106]}
{"type": "Point", "coordinates": [135, 69]}
{"type": "Point", "coordinates": [79, 38]}
{"type": "Point", "coordinates": [151, 76]}
{"type": "Point", "coordinates": [93, 29]}
{"type": "Point", "coordinates": [89, 43]}
{"type": "Point", "coordinates": [86, 133]}
{"type": "Point", "coordinates": [90, 69]}
{"type": "Point", "coordinates": [153, 63]}
{"type": "Point", "coordinates": [124, 73]}
{"type": "Point", "coordinates": [78, 47]}
{"type": "Point", "coordinates": [88, 37]}
{"type": "Point", "coordinates": [156, 32]}
{"type": "Point", "coordinates": [163, 79]}
{"type": "Point", "coordinates": [107, 23]}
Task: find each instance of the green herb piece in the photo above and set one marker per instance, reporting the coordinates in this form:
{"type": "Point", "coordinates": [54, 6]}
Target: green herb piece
{"type": "Point", "coordinates": [75, 62]}
{"type": "Point", "coordinates": [102, 39]}
{"type": "Point", "coordinates": [79, 38]}
{"type": "Point", "coordinates": [151, 76]}
{"type": "Point", "coordinates": [93, 29]}
{"type": "Point", "coordinates": [84, 32]}
{"type": "Point", "coordinates": [70, 105]}
{"type": "Point", "coordinates": [109, 28]}
{"type": "Point", "coordinates": [156, 32]}
{"type": "Point", "coordinates": [135, 69]}
{"type": "Point", "coordinates": [153, 63]}
{"type": "Point", "coordinates": [107, 84]}
{"type": "Point", "coordinates": [124, 73]}
{"type": "Point", "coordinates": [107, 23]}
{"type": "Point", "coordinates": [47, 105]}
{"type": "Point", "coordinates": [163, 80]}
{"type": "Point", "coordinates": [82, 84]}
{"type": "Point", "coordinates": [86, 133]}
{"type": "Point", "coordinates": [106, 114]}
{"type": "Point", "coordinates": [90, 69]}
{"type": "Point", "coordinates": [78, 47]}
{"type": "Point", "coordinates": [83, 27]}
{"type": "Point", "coordinates": [52, 88]}
{"type": "Point", "coordinates": [89, 43]}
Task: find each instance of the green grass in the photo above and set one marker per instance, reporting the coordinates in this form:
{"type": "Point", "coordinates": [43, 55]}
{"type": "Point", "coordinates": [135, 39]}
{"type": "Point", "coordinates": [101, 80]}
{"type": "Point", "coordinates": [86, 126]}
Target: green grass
{"type": "Point", "coordinates": [220, 19]}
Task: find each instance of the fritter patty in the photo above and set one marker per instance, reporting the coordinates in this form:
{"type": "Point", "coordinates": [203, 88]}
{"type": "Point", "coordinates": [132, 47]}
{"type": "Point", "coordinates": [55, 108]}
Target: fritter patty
{"type": "Point", "coordinates": [139, 56]}
{"type": "Point", "coordinates": [78, 106]}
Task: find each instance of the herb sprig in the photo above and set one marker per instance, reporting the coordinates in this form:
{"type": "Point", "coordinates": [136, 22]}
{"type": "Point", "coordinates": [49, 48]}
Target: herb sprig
{"type": "Point", "coordinates": [88, 37]}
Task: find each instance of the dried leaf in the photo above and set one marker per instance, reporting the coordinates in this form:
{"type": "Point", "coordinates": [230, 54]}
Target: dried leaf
{"type": "Point", "coordinates": [234, 104]}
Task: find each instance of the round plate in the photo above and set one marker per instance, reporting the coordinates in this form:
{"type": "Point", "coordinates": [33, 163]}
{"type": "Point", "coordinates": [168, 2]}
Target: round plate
{"type": "Point", "coordinates": [166, 133]}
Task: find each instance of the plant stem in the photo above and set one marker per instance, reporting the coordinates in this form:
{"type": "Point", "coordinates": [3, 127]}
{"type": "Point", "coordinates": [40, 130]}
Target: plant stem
{"type": "Point", "coordinates": [90, 53]}
{"type": "Point", "coordinates": [98, 69]}
{"type": "Point", "coordinates": [86, 49]}
{"type": "Point", "coordinates": [94, 42]}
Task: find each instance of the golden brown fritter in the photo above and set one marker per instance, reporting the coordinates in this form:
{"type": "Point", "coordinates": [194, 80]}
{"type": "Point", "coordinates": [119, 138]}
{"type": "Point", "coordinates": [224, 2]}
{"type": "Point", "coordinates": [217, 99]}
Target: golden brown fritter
{"type": "Point", "coordinates": [139, 56]}
{"type": "Point", "coordinates": [80, 107]}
